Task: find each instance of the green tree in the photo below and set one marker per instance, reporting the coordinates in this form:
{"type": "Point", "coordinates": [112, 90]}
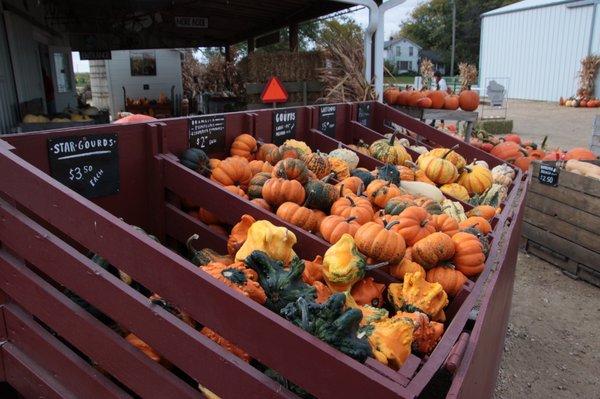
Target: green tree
{"type": "Point", "coordinates": [430, 26]}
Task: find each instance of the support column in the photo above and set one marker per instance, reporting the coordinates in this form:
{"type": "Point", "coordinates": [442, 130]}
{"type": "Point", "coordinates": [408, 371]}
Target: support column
{"type": "Point", "coordinates": [228, 53]}
{"type": "Point", "coordinates": [251, 46]}
{"type": "Point", "coordinates": [294, 38]}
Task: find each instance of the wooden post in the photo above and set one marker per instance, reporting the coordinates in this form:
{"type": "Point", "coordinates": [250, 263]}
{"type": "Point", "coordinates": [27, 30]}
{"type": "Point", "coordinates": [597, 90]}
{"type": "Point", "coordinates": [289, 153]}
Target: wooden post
{"type": "Point", "coordinates": [294, 38]}
{"type": "Point", "coordinates": [228, 53]}
{"type": "Point", "coordinates": [251, 45]}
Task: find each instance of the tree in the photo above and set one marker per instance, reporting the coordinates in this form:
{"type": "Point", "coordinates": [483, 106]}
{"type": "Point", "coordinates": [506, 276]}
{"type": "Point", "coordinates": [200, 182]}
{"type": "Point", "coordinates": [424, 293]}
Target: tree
{"type": "Point", "coordinates": [430, 26]}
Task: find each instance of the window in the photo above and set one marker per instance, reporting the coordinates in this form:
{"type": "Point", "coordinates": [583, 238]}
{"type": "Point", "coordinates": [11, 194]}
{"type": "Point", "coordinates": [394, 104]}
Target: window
{"type": "Point", "coordinates": [404, 65]}
{"type": "Point", "coordinates": [142, 63]}
{"type": "Point", "coordinates": [398, 51]}
{"type": "Point", "coordinates": [63, 72]}
{"type": "Point", "coordinates": [410, 51]}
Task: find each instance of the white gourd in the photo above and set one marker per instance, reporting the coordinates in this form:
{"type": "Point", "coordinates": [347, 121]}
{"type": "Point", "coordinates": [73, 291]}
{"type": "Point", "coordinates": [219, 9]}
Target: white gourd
{"type": "Point", "coordinates": [348, 156]}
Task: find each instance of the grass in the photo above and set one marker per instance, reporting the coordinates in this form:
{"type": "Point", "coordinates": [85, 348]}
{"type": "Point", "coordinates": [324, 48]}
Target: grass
{"type": "Point", "coordinates": [399, 80]}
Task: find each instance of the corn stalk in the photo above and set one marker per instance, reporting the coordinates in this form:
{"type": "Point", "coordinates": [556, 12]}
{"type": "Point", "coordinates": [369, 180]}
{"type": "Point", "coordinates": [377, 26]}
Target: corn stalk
{"type": "Point", "coordinates": [426, 71]}
{"type": "Point", "coordinates": [587, 76]}
{"type": "Point", "coordinates": [467, 75]}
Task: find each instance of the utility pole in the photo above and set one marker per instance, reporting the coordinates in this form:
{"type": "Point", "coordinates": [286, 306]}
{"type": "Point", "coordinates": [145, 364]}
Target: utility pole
{"type": "Point", "coordinates": [453, 37]}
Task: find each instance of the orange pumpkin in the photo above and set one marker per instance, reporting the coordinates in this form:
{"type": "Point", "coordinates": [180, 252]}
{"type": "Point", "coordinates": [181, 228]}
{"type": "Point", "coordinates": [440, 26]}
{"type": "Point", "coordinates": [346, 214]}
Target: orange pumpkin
{"type": "Point", "coordinates": [244, 146]}
{"type": "Point", "coordinates": [438, 97]}
{"type": "Point", "coordinates": [278, 191]}
{"type": "Point", "coordinates": [403, 97]}
{"type": "Point", "coordinates": [414, 98]}
{"type": "Point", "coordinates": [257, 166]}
{"type": "Point", "coordinates": [379, 192]}
{"type": "Point", "coordinates": [433, 249]}
{"type": "Point", "coordinates": [424, 102]}
{"type": "Point", "coordinates": [507, 151]}
{"type": "Point", "coordinates": [476, 222]}
{"type": "Point", "coordinates": [468, 100]}
{"type": "Point", "coordinates": [357, 207]}
{"type": "Point", "coordinates": [406, 173]}
{"type": "Point", "coordinates": [451, 279]}
{"type": "Point", "coordinates": [291, 169]}
{"type": "Point", "coordinates": [233, 171]}
{"type": "Point", "coordinates": [390, 95]}
{"type": "Point", "coordinates": [287, 152]}
{"type": "Point", "coordinates": [207, 217]}
{"type": "Point", "coordinates": [580, 154]}
{"type": "Point", "coordinates": [485, 211]}
{"type": "Point", "coordinates": [333, 227]}
{"type": "Point", "coordinates": [301, 216]}
{"type": "Point", "coordinates": [414, 223]}
{"type": "Point", "coordinates": [261, 203]}
{"type": "Point", "coordinates": [352, 183]}
{"type": "Point", "coordinates": [524, 162]}
{"type": "Point", "coordinates": [451, 102]}
{"type": "Point", "coordinates": [379, 242]}
{"type": "Point", "coordinates": [406, 265]}
{"type": "Point", "coordinates": [237, 191]}
{"type": "Point", "coordinates": [269, 153]}
{"type": "Point", "coordinates": [445, 223]}
{"type": "Point", "coordinates": [368, 292]}
{"type": "Point", "coordinates": [469, 258]}
{"type": "Point", "coordinates": [313, 271]}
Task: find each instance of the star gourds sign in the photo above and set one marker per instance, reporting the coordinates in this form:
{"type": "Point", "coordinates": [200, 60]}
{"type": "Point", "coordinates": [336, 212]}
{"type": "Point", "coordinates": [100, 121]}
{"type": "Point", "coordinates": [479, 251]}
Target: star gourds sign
{"type": "Point", "coordinates": [274, 92]}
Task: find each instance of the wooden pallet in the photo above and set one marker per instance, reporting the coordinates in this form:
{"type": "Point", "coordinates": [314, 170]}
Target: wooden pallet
{"type": "Point", "coordinates": [562, 224]}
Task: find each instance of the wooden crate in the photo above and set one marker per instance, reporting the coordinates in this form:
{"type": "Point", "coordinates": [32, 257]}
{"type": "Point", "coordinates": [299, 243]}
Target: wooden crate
{"type": "Point", "coordinates": [562, 224]}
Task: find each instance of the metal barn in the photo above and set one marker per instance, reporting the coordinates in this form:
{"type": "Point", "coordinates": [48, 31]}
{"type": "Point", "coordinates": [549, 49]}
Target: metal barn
{"type": "Point", "coordinates": [538, 45]}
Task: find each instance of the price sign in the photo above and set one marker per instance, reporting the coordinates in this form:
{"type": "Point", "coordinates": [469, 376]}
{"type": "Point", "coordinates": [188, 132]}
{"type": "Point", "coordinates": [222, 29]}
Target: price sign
{"type": "Point", "coordinates": [207, 133]}
{"type": "Point", "coordinates": [548, 175]}
{"type": "Point", "coordinates": [327, 115]}
{"type": "Point", "coordinates": [284, 125]}
{"type": "Point", "coordinates": [88, 165]}
{"type": "Point", "coordinates": [364, 114]}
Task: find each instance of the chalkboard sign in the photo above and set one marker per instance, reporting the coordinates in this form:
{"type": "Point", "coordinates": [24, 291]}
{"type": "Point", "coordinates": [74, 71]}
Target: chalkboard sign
{"type": "Point", "coordinates": [208, 133]}
{"type": "Point", "coordinates": [364, 114]}
{"type": "Point", "coordinates": [548, 175]}
{"type": "Point", "coordinates": [284, 125]}
{"type": "Point", "coordinates": [327, 115]}
{"type": "Point", "coordinates": [88, 165]}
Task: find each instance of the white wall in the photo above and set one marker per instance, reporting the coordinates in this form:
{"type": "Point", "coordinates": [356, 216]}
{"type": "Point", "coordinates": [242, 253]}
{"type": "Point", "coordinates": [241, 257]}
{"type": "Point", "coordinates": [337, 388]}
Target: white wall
{"type": "Point", "coordinates": [168, 74]}
{"type": "Point", "coordinates": [404, 45]}
{"type": "Point", "coordinates": [539, 50]}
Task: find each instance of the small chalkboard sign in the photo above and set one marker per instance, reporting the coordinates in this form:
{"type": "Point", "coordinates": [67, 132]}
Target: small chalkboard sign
{"type": "Point", "coordinates": [88, 165]}
{"type": "Point", "coordinates": [327, 115]}
{"type": "Point", "coordinates": [548, 175]}
{"type": "Point", "coordinates": [207, 133]}
{"type": "Point", "coordinates": [284, 125]}
{"type": "Point", "coordinates": [364, 114]}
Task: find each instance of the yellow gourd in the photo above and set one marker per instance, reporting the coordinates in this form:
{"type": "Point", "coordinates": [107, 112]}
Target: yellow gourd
{"type": "Point", "coordinates": [416, 294]}
{"type": "Point", "coordinates": [276, 242]}
{"type": "Point", "coordinates": [343, 265]}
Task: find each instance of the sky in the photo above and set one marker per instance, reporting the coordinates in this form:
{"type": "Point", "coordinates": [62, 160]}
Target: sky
{"type": "Point", "coordinates": [392, 20]}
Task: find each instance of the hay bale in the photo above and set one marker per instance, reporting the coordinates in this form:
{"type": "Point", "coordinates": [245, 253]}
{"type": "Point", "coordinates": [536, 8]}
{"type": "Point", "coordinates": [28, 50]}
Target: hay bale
{"type": "Point", "coordinates": [259, 66]}
{"type": "Point", "coordinates": [496, 126]}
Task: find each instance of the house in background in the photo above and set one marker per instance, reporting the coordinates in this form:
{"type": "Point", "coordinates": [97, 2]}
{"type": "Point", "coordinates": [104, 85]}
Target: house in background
{"type": "Point", "coordinates": [143, 74]}
{"type": "Point", "coordinates": [403, 54]}
{"type": "Point", "coordinates": [406, 55]}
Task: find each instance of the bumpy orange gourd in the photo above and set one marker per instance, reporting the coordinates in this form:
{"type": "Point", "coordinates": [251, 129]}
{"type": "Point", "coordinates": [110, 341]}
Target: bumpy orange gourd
{"type": "Point", "coordinates": [357, 207]}
{"type": "Point", "coordinates": [333, 227]}
{"type": "Point", "coordinates": [379, 192]}
{"type": "Point", "coordinates": [451, 279]}
{"type": "Point", "coordinates": [313, 270]}
{"type": "Point", "coordinates": [406, 265]}
{"type": "Point", "coordinates": [238, 277]}
{"type": "Point", "coordinates": [323, 292]}
{"type": "Point", "coordinates": [301, 216]}
{"type": "Point", "coordinates": [368, 292]}
{"type": "Point", "coordinates": [414, 223]}
{"type": "Point", "coordinates": [318, 163]}
{"type": "Point", "coordinates": [433, 249]}
{"type": "Point", "coordinates": [233, 171]}
{"type": "Point", "coordinates": [238, 235]}
{"type": "Point", "coordinates": [391, 341]}
{"type": "Point", "coordinates": [339, 168]}
{"type": "Point", "coordinates": [244, 146]}
{"type": "Point", "coordinates": [477, 222]}
{"type": "Point", "coordinates": [416, 294]}
{"type": "Point", "coordinates": [291, 169]}
{"type": "Point", "coordinates": [476, 179]}
{"type": "Point", "coordinates": [237, 351]}
{"type": "Point", "coordinates": [469, 258]}
{"type": "Point", "coordinates": [426, 334]}
{"type": "Point", "coordinates": [278, 191]}
{"type": "Point", "coordinates": [379, 242]}
{"type": "Point", "coordinates": [445, 223]}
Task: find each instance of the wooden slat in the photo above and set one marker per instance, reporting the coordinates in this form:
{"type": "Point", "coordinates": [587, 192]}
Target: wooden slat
{"type": "Point", "coordinates": [133, 311]}
{"type": "Point", "coordinates": [181, 226]}
{"type": "Point", "coordinates": [66, 367]}
{"type": "Point", "coordinates": [113, 353]}
{"type": "Point", "coordinates": [562, 229]}
{"type": "Point", "coordinates": [262, 333]}
{"type": "Point", "coordinates": [564, 212]}
{"type": "Point", "coordinates": [562, 246]}
{"type": "Point", "coordinates": [28, 378]}
{"type": "Point", "coordinates": [570, 180]}
{"type": "Point", "coordinates": [567, 196]}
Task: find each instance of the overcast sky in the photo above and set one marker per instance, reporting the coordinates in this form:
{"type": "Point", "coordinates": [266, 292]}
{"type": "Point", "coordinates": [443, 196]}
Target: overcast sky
{"type": "Point", "coordinates": [393, 18]}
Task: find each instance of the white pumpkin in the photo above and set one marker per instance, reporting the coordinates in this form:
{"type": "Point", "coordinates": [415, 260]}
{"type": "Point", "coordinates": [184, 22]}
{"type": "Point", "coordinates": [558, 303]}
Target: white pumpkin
{"type": "Point", "coordinates": [503, 174]}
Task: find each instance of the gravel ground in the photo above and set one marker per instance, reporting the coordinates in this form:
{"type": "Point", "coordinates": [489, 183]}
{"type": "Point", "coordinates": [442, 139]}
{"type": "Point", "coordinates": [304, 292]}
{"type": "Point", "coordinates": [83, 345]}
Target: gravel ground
{"type": "Point", "coordinates": [565, 127]}
{"type": "Point", "coordinates": [552, 347]}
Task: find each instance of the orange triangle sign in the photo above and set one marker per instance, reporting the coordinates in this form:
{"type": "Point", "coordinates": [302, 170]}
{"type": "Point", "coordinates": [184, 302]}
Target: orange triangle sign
{"type": "Point", "coordinates": [274, 92]}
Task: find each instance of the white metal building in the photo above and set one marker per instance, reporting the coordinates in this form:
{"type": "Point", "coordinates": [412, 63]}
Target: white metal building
{"type": "Point", "coordinates": [538, 46]}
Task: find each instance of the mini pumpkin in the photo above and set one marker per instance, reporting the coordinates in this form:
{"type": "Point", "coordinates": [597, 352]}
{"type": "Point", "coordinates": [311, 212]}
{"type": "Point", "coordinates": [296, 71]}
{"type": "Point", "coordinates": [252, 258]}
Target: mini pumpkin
{"type": "Point", "coordinates": [379, 242]}
{"type": "Point", "coordinates": [291, 169]}
{"type": "Point", "coordinates": [333, 227]}
{"type": "Point", "coordinates": [269, 153]}
{"type": "Point", "coordinates": [469, 257]}
{"type": "Point", "coordinates": [348, 156]}
{"type": "Point", "coordinates": [238, 277]}
{"type": "Point", "coordinates": [261, 203]}
{"type": "Point", "coordinates": [438, 169]}
{"type": "Point", "coordinates": [339, 168]}
{"type": "Point", "coordinates": [485, 211]}
{"type": "Point", "coordinates": [320, 195]}
{"type": "Point", "coordinates": [406, 173]}
{"type": "Point", "coordinates": [451, 279]}
{"type": "Point", "coordinates": [256, 184]}
{"type": "Point", "coordinates": [318, 163]}
{"type": "Point", "coordinates": [433, 249]}
{"type": "Point", "coordinates": [476, 179]}
{"type": "Point", "coordinates": [278, 191]}
{"type": "Point", "coordinates": [357, 207]}
{"type": "Point", "coordinates": [406, 265]}
{"type": "Point", "coordinates": [456, 190]}
{"type": "Point", "coordinates": [244, 146]}
{"type": "Point", "coordinates": [233, 171]}
{"type": "Point", "coordinates": [301, 216]}
{"type": "Point", "coordinates": [397, 205]}
{"type": "Point", "coordinates": [414, 223]}
{"type": "Point", "coordinates": [300, 146]}
{"type": "Point", "coordinates": [446, 224]}
{"type": "Point", "coordinates": [257, 166]}
{"type": "Point", "coordinates": [478, 223]}
{"type": "Point", "coordinates": [387, 151]}
{"type": "Point", "coordinates": [236, 190]}
{"type": "Point", "coordinates": [352, 183]}
{"type": "Point", "coordinates": [379, 192]}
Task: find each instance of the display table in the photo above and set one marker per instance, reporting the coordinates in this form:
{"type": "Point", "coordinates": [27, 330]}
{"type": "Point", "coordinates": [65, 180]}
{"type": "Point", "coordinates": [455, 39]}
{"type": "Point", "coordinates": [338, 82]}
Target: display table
{"type": "Point", "coordinates": [424, 114]}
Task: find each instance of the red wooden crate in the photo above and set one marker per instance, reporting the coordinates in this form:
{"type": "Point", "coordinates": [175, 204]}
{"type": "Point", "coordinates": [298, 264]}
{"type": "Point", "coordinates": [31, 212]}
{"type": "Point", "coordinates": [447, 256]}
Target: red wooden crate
{"type": "Point", "coordinates": [44, 227]}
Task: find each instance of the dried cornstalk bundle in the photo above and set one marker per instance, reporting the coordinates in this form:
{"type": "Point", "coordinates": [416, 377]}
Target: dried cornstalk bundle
{"type": "Point", "coordinates": [426, 71]}
{"type": "Point", "coordinates": [191, 68]}
{"type": "Point", "coordinates": [343, 76]}
{"type": "Point", "coordinates": [220, 76]}
{"type": "Point", "coordinates": [467, 75]}
{"type": "Point", "coordinates": [587, 75]}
